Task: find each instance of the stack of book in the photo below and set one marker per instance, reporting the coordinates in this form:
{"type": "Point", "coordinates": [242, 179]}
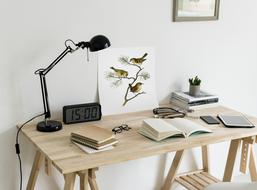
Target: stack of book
{"type": "Point", "coordinates": [94, 137]}
{"type": "Point", "coordinates": [185, 101]}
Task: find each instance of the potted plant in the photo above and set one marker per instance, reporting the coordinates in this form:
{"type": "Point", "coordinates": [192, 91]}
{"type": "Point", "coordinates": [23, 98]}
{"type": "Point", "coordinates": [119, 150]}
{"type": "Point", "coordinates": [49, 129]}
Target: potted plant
{"type": "Point", "coordinates": [194, 89]}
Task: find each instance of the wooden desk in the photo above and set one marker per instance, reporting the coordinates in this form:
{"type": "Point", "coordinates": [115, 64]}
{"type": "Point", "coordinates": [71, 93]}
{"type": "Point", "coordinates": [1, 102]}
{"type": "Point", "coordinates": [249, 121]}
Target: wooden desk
{"type": "Point", "coordinates": [57, 150]}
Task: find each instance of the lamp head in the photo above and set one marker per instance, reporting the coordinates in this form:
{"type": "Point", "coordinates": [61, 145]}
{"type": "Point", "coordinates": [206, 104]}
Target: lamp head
{"type": "Point", "coordinates": [97, 43]}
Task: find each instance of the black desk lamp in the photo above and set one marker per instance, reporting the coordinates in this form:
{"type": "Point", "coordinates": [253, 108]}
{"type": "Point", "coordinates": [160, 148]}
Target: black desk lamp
{"type": "Point", "coordinates": [95, 44]}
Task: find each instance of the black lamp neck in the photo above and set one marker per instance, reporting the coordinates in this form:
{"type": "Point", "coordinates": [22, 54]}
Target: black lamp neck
{"type": "Point", "coordinates": [83, 45]}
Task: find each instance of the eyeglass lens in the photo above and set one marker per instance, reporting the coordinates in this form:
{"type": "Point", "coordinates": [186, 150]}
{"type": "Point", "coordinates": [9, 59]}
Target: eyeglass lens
{"type": "Point", "coordinates": [119, 129]}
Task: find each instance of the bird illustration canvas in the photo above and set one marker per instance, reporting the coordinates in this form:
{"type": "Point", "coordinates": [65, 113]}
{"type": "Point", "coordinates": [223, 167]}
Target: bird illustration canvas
{"type": "Point", "coordinates": [126, 79]}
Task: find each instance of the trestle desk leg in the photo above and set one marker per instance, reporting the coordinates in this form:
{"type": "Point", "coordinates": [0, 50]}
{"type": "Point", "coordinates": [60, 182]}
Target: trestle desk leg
{"type": "Point", "coordinates": [34, 171]}
{"type": "Point", "coordinates": [173, 170]}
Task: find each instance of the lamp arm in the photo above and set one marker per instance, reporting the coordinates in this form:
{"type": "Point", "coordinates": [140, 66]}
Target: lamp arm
{"type": "Point", "coordinates": [45, 96]}
{"type": "Point", "coordinates": [59, 58]}
{"type": "Point", "coordinates": [42, 73]}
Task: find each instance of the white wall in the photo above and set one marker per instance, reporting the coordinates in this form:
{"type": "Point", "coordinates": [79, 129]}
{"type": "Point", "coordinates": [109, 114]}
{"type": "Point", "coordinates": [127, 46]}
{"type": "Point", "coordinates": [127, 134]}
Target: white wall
{"type": "Point", "coordinates": [222, 53]}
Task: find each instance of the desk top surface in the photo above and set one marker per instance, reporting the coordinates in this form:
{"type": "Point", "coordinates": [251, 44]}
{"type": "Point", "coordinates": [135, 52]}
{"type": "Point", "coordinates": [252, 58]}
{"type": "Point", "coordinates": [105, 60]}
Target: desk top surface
{"type": "Point", "coordinates": [68, 158]}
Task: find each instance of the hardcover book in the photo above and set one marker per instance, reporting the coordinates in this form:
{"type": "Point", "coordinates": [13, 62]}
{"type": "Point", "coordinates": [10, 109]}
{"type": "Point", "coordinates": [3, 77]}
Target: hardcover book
{"type": "Point", "coordinates": [159, 129]}
{"type": "Point", "coordinates": [94, 137]}
{"type": "Point", "coordinates": [203, 97]}
{"type": "Point", "coordinates": [93, 134]}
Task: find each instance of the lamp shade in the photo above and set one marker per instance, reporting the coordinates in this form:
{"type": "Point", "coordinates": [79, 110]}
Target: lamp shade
{"type": "Point", "coordinates": [99, 42]}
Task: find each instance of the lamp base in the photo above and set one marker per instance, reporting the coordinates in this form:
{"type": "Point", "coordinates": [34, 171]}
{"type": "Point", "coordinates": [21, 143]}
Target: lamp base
{"type": "Point", "coordinates": [49, 126]}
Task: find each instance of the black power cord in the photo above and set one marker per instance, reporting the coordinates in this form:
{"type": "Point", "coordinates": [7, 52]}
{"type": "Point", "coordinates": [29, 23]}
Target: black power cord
{"type": "Point", "coordinates": [17, 146]}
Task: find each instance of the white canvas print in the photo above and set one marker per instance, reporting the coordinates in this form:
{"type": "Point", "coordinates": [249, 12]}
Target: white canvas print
{"type": "Point", "coordinates": [126, 80]}
{"type": "Point", "coordinates": [196, 8]}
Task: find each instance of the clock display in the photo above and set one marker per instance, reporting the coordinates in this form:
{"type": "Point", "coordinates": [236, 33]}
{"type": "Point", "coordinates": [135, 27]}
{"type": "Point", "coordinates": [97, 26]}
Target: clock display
{"type": "Point", "coordinates": [81, 113]}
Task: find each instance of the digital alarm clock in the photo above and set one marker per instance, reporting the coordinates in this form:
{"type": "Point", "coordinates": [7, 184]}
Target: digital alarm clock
{"type": "Point", "coordinates": [81, 113]}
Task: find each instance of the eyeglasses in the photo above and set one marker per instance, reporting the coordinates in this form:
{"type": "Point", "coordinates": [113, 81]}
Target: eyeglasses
{"type": "Point", "coordinates": [166, 112]}
{"type": "Point", "coordinates": [119, 129]}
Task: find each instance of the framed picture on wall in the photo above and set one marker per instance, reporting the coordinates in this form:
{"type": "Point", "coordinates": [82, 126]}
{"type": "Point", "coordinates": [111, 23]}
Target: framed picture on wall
{"type": "Point", "coordinates": [195, 10]}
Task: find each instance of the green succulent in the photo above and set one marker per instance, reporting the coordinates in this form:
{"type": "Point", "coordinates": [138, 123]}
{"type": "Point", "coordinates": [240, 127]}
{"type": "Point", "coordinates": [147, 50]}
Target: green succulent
{"type": "Point", "coordinates": [195, 81]}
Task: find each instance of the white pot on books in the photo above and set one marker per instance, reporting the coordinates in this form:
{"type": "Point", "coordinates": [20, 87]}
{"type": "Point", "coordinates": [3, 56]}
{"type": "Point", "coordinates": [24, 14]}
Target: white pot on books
{"type": "Point", "coordinates": [194, 90]}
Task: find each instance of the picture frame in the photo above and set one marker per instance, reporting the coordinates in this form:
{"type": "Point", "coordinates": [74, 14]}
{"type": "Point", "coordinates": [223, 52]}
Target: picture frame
{"type": "Point", "coordinates": [195, 10]}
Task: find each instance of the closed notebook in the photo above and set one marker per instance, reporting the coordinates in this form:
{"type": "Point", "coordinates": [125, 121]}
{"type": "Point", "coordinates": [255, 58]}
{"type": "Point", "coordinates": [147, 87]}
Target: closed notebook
{"type": "Point", "coordinates": [92, 150]}
{"type": "Point", "coordinates": [95, 145]}
{"type": "Point", "coordinates": [93, 134]}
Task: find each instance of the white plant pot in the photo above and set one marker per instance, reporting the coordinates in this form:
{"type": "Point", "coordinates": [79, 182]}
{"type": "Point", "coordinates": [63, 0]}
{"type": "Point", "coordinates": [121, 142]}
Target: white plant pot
{"type": "Point", "coordinates": [194, 90]}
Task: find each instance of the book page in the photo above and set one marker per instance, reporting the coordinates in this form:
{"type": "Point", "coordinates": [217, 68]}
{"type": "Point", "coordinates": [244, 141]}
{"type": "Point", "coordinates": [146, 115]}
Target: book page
{"type": "Point", "coordinates": [148, 134]}
{"type": "Point", "coordinates": [187, 126]}
{"type": "Point", "coordinates": [159, 129]}
{"type": "Point", "coordinates": [91, 150]}
{"type": "Point", "coordinates": [159, 126]}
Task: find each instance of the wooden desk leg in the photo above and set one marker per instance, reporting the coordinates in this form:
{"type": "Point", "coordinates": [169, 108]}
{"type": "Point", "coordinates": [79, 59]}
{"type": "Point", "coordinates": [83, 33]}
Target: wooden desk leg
{"type": "Point", "coordinates": [92, 179]}
{"type": "Point", "coordinates": [252, 165]}
{"type": "Point", "coordinates": [48, 167]}
{"type": "Point", "coordinates": [34, 171]}
{"type": "Point", "coordinates": [83, 175]}
{"type": "Point", "coordinates": [173, 170]}
{"type": "Point", "coordinates": [205, 158]}
{"type": "Point", "coordinates": [69, 181]}
{"type": "Point", "coordinates": [234, 145]}
{"type": "Point", "coordinates": [244, 156]}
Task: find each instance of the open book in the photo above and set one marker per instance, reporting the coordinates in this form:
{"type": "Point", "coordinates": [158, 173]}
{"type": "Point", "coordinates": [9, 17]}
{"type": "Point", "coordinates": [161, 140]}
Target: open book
{"type": "Point", "coordinates": [159, 129]}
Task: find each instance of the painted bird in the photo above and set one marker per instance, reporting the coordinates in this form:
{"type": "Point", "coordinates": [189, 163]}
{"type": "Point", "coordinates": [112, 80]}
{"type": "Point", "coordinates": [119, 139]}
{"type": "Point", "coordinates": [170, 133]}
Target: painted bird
{"type": "Point", "coordinates": [136, 88]}
{"type": "Point", "coordinates": [139, 61]}
{"type": "Point", "coordinates": [119, 72]}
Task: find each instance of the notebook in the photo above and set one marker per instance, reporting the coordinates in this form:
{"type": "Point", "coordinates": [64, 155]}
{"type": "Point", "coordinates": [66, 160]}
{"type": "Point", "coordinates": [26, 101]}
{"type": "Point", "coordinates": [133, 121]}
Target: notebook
{"type": "Point", "coordinates": [159, 129]}
{"type": "Point", "coordinates": [94, 137]}
{"type": "Point", "coordinates": [93, 134]}
{"type": "Point", "coordinates": [94, 145]}
{"type": "Point", "coordinates": [92, 150]}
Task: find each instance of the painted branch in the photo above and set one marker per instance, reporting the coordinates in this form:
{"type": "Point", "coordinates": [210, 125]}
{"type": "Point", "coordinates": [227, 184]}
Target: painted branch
{"type": "Point", "coordinates": [127, 100]}
{"type": "Point", "coordinates": [122, 77]}
{"type": "Point", "coordinates": [132, 64]}
{"type": "Point", "coordinates": [125, 97]}
{"type": "Point", "coordinates": [127, 91]}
